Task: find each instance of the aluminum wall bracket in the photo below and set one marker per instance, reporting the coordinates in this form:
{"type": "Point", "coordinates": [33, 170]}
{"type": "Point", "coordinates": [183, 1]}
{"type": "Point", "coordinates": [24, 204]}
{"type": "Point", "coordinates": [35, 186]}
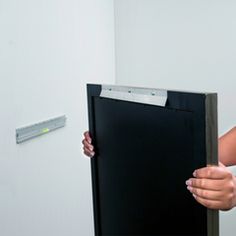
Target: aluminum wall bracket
{"type": "Point", "coordinates": [135, 94]}
{"type": "Point", "coordinates": [32, 131]}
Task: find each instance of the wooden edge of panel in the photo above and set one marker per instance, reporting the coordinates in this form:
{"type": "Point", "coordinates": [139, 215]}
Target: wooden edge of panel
{"type": "Point", "coordinates": [212, 154]}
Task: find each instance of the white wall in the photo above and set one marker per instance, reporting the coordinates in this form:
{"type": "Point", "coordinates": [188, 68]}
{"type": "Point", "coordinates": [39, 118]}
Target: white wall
{"type": "Point", "coordinates": [181, 45]}
{"type": "Point", "coordinates": [49, 50]}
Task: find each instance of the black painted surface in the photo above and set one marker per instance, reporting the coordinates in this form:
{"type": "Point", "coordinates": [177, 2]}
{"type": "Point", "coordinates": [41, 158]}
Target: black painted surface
{"type": "Point", "coordinates": [144, 156]}
{"type": "Point", "coordinates": [129, 171]}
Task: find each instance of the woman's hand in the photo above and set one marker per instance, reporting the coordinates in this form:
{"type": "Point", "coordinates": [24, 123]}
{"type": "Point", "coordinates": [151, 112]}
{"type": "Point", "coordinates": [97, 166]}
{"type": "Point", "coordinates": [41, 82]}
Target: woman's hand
{"type": "Point", "coordinates": [88, 147]}
{"type": "Point", "coordinates": [214, 187]}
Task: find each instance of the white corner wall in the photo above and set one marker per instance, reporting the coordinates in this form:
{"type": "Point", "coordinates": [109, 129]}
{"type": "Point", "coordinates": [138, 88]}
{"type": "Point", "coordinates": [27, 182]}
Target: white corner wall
{"type": "Point", "coordinates": [49, 50]}
{"type": "Point", "coordinates": [181, 45]}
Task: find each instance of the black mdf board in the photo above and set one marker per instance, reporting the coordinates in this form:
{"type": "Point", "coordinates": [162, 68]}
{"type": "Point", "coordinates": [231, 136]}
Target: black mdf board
{"type": "Point", "coordinates": [144, 155]}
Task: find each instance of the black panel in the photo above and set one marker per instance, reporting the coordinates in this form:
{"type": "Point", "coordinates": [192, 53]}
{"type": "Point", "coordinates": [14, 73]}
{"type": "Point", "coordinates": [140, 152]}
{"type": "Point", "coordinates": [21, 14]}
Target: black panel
{"type": "Point", "coordinates": [144, 155]}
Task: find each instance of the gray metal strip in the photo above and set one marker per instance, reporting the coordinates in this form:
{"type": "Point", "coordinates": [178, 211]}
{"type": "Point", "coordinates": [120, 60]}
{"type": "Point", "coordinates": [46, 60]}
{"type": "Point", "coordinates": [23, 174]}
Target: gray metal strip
{"type": "Point", "coordinates": [212, 154]}
{"type": "Point", "coordinates": [32, 131]}
{"type": "Point", "coordinates": [134, 94]}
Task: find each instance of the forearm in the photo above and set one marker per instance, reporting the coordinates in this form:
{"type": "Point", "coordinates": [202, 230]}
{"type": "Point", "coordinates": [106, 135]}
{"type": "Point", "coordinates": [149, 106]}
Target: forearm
{"type": "Point", "coordinates": [227, 148]}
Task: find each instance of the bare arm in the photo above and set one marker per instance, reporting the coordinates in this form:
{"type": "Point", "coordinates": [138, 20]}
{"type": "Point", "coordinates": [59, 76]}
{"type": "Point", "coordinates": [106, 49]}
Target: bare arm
{"type": "Point", "coordinates": [227, 148]}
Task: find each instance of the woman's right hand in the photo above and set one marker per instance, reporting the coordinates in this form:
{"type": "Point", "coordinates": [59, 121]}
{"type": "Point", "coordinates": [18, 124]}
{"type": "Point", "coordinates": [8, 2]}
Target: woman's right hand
{"type": "Point", "coordinates": [88, 147]}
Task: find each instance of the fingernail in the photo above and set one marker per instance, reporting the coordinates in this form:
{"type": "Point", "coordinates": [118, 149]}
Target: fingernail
{"type": "Point", "coordinates": [195, 173]}
{"type": "Point", "coordinates": [194, 195]}
{"type": "Point", "coordinates": [92, 154]}
{"type": "Point", "coordinates": [91, 148]}
{"type": "Point", "coordinates": [90, 141]}
{"type": "Point", "coordinates": [189, 182]}
{"type": "Point", "coordinates": [190, 188]}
